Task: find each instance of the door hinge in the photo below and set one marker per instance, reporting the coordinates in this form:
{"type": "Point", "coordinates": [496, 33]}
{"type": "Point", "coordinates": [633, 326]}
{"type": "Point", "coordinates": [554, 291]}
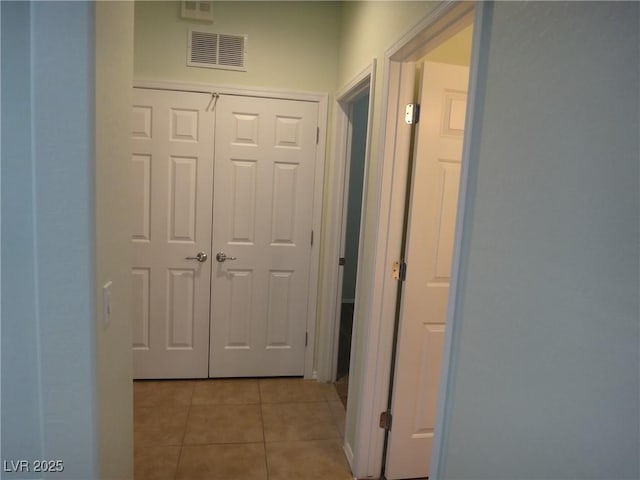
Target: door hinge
{"type": "Point", "coordinates": [312, 238]}
{"type": "Point", "coordinates": [412, 113]}
{"type": "Point", "coordinates": [399, 270]}
{"type": "Point", "coordinates": [341, 261]}
{"type": "Point", "coordinates": [306, 338]}
{"type": "Point", "coordinates": [385, 420]}
{"type": "Point", "coordinates": [317, 135]}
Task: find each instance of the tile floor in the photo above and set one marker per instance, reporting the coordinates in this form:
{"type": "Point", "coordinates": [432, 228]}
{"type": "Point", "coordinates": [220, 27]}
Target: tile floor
{"type": "Point", "coordinates": [238, 429]}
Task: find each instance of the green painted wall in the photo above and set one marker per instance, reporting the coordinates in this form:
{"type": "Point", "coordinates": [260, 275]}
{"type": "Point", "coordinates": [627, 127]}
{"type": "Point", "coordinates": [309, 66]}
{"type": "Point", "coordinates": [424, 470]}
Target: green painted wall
{"type": "Point", "coordinates": [291, 45]}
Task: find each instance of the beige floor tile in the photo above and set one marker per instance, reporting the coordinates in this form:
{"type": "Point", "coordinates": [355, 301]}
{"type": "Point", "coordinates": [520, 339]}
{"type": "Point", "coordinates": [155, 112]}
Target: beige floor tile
{"type": "Point", "coordinates": [155, 463]}
{"type": "Point", "coordinates": [331, 395]}
{"type": "Point", "coordinates": [339, 415]}
{"type": "Point", "coordinates": [156, 426]}
{"type": "Point", "coordinates": [223, 424]}
{"type": "Point", "coordinates": [288, 390]}
{"type": "Point", "coordinates": [298, 421]}
{"type": "Point", "coordinates": [227, 391]}
{"type": "Point", "coordinates": [228, 462]}
{"type": "Point", "coordinates": [309, 460]}
{"type": "Point", "coordinates": [342, 388]}
{"type": "Point", "coordinates": [168, 393]}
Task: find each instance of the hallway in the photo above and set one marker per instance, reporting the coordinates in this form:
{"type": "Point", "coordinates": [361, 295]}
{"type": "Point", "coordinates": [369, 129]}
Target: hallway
{"type": "Point", "coordinates": [245, 429]}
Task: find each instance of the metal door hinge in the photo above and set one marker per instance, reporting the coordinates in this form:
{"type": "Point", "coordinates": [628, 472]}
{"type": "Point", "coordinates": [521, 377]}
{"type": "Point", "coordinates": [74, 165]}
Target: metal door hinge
{"type": "Point", "coordinates": [399, 270]}
{"type": "Point", "coordinates": [306, 338]}
{"type": "Point", "coordinates": [312, 238]}
{"type": "Point", "coordinates": [341, 261]}
{"type": "Point", "coordinates": [317, 135]}
{"type": "Point", "coordinates": [385, 420]}
{"type": "Point", "coordinates": [412, 113]}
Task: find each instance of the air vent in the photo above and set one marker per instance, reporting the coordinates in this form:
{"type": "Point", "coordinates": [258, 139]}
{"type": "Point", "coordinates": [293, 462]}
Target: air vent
{"type": "Point", "coordinates": [215, 50]}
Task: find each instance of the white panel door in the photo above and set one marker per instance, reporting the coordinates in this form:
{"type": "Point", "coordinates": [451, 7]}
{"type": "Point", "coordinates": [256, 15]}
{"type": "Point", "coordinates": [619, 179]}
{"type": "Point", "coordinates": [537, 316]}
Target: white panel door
{"type": "Point", "coordinates": [171, 174]}
{"type": "Point", "coordinates": [430, 238]}
{"type": "Point", "coordinates": [263, 204]}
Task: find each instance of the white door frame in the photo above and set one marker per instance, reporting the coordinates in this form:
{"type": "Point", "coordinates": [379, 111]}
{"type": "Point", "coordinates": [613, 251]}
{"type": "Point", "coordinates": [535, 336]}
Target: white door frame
{"type": "Point", "coordinates": [322, 100]}
{"type": "Point", "coordinates": [335, 217]}
{"type": "Point", "coordinates": [392, 174]}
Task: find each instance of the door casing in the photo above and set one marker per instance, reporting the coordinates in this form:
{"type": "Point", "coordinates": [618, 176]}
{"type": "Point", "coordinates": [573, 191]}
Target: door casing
{"type": "Point", "coordinates": [392, 175]}
{"type": "Point", "coordinates": [334, 226]}
{"type": "Point", "coordinates": [322, 100]}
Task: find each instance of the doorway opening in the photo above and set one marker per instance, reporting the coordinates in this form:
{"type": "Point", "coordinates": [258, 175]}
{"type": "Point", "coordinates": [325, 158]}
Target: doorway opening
{"type": "Point", "coordinates": [395, 173]}
{"type": "Point", "coordinates": [342, 235]}
{"type": "Point", "coordinates": [352, 215]}
{"type": "Point", "coordinates": [441, 77]}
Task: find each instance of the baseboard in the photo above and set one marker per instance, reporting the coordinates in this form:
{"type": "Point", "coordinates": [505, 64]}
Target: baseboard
{"type": "Point", "coordinates": [349, 453]}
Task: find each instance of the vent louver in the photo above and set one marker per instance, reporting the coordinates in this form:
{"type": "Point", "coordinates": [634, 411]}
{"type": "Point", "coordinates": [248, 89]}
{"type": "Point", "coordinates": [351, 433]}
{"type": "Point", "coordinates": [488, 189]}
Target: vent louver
{"type": "Point", "coordinates": [214, 50]}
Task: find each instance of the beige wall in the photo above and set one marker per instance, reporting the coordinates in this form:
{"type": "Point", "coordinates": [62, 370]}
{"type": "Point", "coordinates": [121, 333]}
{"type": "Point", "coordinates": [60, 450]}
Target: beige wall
{"type": "Point", "coordinates": [114, 72]}
{"type": "Point", "coordinates": [291, 45]}
{"type": "Point", "coordinates": [456, 50]}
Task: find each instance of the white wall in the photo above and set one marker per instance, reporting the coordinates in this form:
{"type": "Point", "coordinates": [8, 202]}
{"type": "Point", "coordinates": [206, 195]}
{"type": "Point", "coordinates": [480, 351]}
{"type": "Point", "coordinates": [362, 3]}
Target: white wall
{"type": "Point", "coordinates": [544, 379]}
{"type": "Point", "coordinates": [113, 100]}
{"type": "Point", "coordinates": [21, 407]}
{"type": "Point", "coordinates": [53, 242]}
{"type": "Point", "coordinates": [63, 131]}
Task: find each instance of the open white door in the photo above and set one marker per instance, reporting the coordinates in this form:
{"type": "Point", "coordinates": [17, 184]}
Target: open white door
{"type": "Point", "coordinates": [265, 153]}
{"type": "Point", "coordinates": [430, 240]}
{"type": "Point", "coordinates": [171, 173]}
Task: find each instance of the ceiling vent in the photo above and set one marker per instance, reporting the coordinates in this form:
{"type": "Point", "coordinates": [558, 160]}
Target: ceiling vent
{"type": "Point", "coordinates": [215, 50]}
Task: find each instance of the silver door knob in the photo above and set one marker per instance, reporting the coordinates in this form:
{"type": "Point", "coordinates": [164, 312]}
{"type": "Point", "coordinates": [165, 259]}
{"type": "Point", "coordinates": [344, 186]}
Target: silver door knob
{"type": "Point", "coordinates": [223, 257]}
{"type": "Point", "coordinates": [200, 256]}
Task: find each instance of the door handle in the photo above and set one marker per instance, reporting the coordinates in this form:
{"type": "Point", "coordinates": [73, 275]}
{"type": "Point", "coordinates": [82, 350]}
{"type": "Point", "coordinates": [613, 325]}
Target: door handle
{"type": "Point", "coordinates": [222, 257]}
{"type": "Point", "coordinates": [200, 256]}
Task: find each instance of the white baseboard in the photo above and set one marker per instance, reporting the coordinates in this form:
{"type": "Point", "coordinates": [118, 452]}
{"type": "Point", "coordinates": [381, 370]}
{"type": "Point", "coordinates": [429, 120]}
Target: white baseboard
{"type": "Point", "coordinates": [349, 453]}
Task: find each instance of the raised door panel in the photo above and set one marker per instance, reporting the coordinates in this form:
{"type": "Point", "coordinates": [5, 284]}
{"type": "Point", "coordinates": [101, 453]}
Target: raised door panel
{"type": "Point", "coordinates": [243, 198]}
{"type": "Point", "coordinates": [182, 199]}
{"type": "Point", "coordinates": [180, 308]}
{"type": "Point", "coordinates": [141, 198]}
{"type": "Point", "coordinates": [428, 372]}
{"type": "Point", "coordinates": [283, 204]}
{"type": "Point", "coordinates": [140, 282]}
{"type": "Point", "coordinates": [240, 302]}
{"type": "Point", "coordinates": [279, 313]}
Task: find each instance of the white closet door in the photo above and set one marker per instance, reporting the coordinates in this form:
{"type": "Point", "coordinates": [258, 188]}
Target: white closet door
{"type": "Point", "coordinates": [263, 201]}
{"type": "Point", "coordinates": [171, 175]}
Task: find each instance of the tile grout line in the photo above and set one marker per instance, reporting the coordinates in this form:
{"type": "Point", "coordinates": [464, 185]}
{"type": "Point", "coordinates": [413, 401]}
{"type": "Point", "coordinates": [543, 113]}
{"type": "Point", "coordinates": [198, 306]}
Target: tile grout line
{"type": "Point", "coordinates": [264, 434]}
{"type": "Point", "coordinates": [184, 432]}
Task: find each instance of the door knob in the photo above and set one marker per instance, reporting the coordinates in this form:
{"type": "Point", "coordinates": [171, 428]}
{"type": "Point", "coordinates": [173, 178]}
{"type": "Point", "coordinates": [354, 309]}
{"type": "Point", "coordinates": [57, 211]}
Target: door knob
{"type": "Point", "coordinates": [222, 257]}
{"type": "Point", "coordinates": [200, 256]}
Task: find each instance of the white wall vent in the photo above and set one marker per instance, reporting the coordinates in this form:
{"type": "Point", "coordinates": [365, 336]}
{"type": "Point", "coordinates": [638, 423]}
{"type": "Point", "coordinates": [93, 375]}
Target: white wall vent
{"type": "Point", "coordinates": [215, 50]}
